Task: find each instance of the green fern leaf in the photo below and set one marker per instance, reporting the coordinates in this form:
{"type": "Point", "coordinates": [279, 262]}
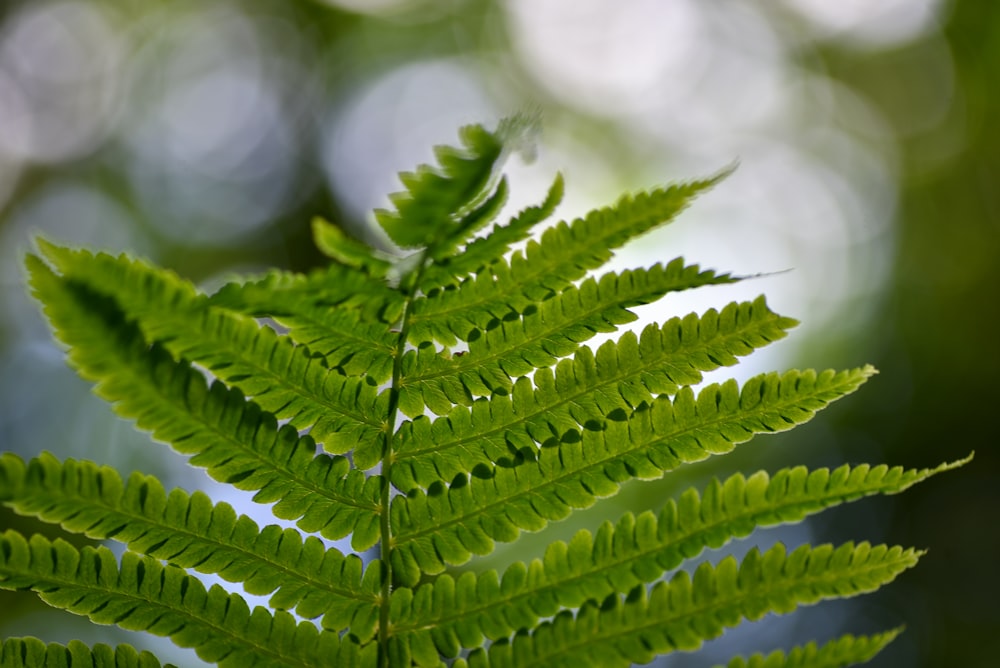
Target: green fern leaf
{"type": "Point", "coordinates": [227, 435]}
{"type": "Point", "coordinates": [483, 214]}
{"type": "Point", "coordinates": [573, 315]}
{"type": "Point", "coordinates": [368, 298]}
{"type": "Point", "coordinates": [848, 650]}
{"type": "Point", "coordinates": [141, 594]}
{"type": "Point", "coordinates": [634, 551]}
{"type": "Point", "coordinates": [432, 404]}
{"type": "Point", "coordinates": [449, 525]}
{"type": "Point", "coordinates": [335, 244]}
{"type": "Point", "coordinates": [339, 411]}
{"type": "Point", "coordinates": [507, 348]}
{"type": "Point", "coordinates": [438, 206]}
{"type": "Point", "coordinates": [585, 390]}
{"type": "Point", "coordinates": [340, 314]}
{"type": "Point", "coordinates": [684, 612]}
{"type": "Point", "coordinates": [564, 254]}
{"type": "Point", "coordinates": [191, 532]}
{"type": "Point", "coordinates": [485, 251]}
{"type": "Point", "coordinates": [33, 653]}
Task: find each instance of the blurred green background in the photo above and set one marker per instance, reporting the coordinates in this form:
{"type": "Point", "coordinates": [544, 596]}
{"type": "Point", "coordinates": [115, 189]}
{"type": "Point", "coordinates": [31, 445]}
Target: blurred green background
{"type": "Point", "coordinates": [205, 135]}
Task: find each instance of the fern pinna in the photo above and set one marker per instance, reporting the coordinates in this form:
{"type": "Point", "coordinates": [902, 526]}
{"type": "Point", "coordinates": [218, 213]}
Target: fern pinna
{"type": "Point", "coordinates": [431, 403]}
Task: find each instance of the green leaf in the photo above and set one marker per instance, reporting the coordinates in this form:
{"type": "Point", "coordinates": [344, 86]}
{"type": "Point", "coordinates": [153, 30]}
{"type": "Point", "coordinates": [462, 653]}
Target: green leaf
{"type": "Point", "coordinates": [563, 255]}
{"type": "Point", "coordinates": [482, 252]}
{"type": "Point", "coordinates": [431, 404]}
{"type": "Point", "coordinates": [189, 531]}
{"type": "Point", "coordinates": [433, 208]}
{"type": "Point", "coordinates": [33, 653]}
{"type": "Point", "coordinates": [636, 550]}
{"type": "Point", "coordinates": [684, 612]}
{"type": "Point", "coordinates": [341, 412]}
{"type": "Point", "coordinates": [586, 391]}
{"type": "Point", "coordinates": [504, 349]}
{"type": "Point", "coordinates": [593, 305]}
{"type": "Point", "coordinates": [141, 594]}
{"type": "Point", "coordinates": [370, 300]}
{"type": "Point", "coordinates": [847, 650]}
{"type": "Point", "coordinates": [335, 244]}
{"type": "Point", "coordinates": [340, 314]}
{"type": "Point", "coordinates": [230, 437]}
{"type": "Point", "coordinates": [480, 216]}
{"type": "Point", "coordinates": [447, 525]}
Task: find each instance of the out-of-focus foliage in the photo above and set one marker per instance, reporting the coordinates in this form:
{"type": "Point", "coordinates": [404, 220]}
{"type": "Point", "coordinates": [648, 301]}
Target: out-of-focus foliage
{"type": "Point", "coordinates": [207, 135]}
{"type": "Point", "coordinates": [936, 338]}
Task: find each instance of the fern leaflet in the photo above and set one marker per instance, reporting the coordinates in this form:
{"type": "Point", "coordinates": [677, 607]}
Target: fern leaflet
{"type": "Point", "coordinates": [634, 551]}
{"type": "Point", "coordinates": [141, 594]}
{"type": "Point", "coordinates": [844, 651]}
{"type": "Point", "coordinates": [32, 653]}
{"type": "Point", "coordinates": [191, 532]}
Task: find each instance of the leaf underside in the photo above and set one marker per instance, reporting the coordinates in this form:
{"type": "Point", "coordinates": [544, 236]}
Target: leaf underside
{"type": "Point", "coordinates": [431, 401]}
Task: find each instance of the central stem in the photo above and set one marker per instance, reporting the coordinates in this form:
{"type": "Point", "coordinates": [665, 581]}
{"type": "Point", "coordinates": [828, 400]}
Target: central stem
{"type": "Point", "coordinates": [408, 287]}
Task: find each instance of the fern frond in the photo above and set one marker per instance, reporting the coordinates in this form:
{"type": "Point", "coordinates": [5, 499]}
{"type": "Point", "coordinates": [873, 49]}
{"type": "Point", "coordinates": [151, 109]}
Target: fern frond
{"type": "Point", "coordinates": [596, 302]}
{"type": "Point", "coordinates": [335, 244]}
{"type": "Point", "coordinates": [341, 412]}
{"type": "Point", "coordinates": [449, 525]}
{"type": "Point", "coordinates": [847, 650]}
{"type": "Point", "coordinates": [564, 254]}
{"type": "Point", "coordinates": [345, 344]}
{"type": "Point", "coordinates": [437, 209]}
{"type": "Point", "coordinates": [459, 368]}
{"type": "Point", "coordinates": [370, 299]}
{"type": "Point", "coordinates": [230, 437]}
{"type": "Point", "coordinates": [684, 612]}
{"type": "Point", "coordinates": [585, 390]}
{"type": "Point", "coordinates": [33, 653]}
{"type": "Point", "coordinates": [338, 313]}
{"type": "Point", "coordinates": [191, 532]}
{"type": "Point", "coordinates": [554, 329]}
{"type": "Point", "coordinates": [483, 214]}
{"type": "Point", "coordinates": [635, 550]}
{"type": "Point", "coordinates": [141, 594]}
{"type": "Point", "coordinates": [485, 251]}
